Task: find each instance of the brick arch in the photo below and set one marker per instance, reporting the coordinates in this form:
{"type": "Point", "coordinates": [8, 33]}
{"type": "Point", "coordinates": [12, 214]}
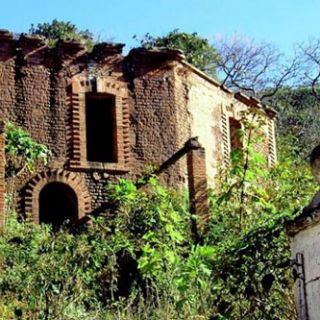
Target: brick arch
{"type": "Point", "coordinates": [71, 179]}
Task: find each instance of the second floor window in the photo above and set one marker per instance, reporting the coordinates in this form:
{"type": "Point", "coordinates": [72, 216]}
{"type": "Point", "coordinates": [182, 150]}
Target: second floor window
{"type": "Point", "coordinates": [101, 135]}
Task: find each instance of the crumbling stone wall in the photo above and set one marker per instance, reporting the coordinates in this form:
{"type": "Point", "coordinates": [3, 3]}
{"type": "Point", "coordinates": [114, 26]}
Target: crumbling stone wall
{"type": "Point", "coordinates": [206, 111]}
{"type": "Point", "coordinates": [204, 107]}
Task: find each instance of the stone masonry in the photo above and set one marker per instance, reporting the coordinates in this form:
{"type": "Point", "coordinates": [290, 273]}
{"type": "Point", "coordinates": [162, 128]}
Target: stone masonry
{"type": "Point", "coordinates": [104, 115]}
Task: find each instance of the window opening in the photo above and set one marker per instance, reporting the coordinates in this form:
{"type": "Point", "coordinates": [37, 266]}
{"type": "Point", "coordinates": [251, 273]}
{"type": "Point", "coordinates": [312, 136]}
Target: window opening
{"type": "Point", "coordinates": [235, 134]}
{"type": "Point", "coordinates": [101, 128]}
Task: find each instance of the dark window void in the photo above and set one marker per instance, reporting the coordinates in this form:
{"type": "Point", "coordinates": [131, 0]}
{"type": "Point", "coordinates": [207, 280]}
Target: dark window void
{"type": "Point", "coordinates": [101, 128]}
{"type": "Point", "coordinates": [235, 134]}
{"type": "Point", "coordinates": [58, 203]}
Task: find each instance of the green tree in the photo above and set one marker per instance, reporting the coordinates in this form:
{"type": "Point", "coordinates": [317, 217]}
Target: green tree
{"type": "Point", "coordinates": [298, 115]}
{"type": "Point", "coordinates": [61, 30]}
{"type": "Point", "coordinates": [197, 50]}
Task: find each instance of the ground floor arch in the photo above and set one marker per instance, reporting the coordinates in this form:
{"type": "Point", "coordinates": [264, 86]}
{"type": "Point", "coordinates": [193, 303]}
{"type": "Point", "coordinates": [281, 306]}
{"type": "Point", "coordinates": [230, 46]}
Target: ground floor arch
{"type": "Point", "coordinates": [54, 196]}
{"type": "Point", "coordinates": [58, 204]}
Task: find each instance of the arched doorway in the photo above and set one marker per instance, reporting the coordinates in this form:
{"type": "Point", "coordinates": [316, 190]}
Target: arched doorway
{"type": "Point", "coordinates": [72, 186]}
{"type": "Point", "coordinates": [57, 203]}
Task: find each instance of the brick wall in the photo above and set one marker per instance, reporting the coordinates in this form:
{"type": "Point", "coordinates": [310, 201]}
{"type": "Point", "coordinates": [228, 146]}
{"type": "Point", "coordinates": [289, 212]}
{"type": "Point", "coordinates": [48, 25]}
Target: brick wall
{"type": "Point", "coordinates": [198, 186]}
{"type": "Point", "coordinates": [2, 181]}
{"type": "Point", "coordinates": [161, 102]}
{"type": "Point", "coordinates": [7, 77]}
{"type": "Point", "coordinates": [154, 114]}
{"type": "Point", "coordinates": [209, 108]}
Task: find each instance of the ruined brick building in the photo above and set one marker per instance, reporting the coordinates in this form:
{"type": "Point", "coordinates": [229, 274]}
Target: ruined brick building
{"type": "Point", "coordinates": [105, 115]}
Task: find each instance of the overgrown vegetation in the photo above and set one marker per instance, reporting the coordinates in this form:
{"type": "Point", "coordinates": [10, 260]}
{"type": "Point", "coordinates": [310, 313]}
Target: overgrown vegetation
{"type": "Point", "coordinates": [298, 116]}
{"type": "Point", "coordinates": [22, 152]}
{"type": "Point", "coordinates": [138, 259]}
{"type": "Point", "coordinates": [197, 50]}
{"type": "Point", "coordinates": [61, 30]}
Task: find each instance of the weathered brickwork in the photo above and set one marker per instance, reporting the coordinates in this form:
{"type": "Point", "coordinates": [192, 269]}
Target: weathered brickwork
{"type": "Point", "coordinates": [196, 162]}
{"type": "Point", "coordinates": [158, 103]}
{"type": "Point", "coordinates": [72, 179]}
{"type": "Point", "coordinates": [154, 112]}
{"type": "Point", "coordinates": [206, 111]}
{"type": "Point", "coordinates": [2, 181]}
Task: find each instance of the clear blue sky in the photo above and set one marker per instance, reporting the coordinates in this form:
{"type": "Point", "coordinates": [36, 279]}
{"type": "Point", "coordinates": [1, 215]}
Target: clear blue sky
{"type": "Point", "coordinates": [283, 22]}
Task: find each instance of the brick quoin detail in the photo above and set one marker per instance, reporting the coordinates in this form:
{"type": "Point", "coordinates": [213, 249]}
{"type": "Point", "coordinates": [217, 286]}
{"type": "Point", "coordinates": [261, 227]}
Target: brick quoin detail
{"type": "Point", "coordinates": [77, 130]}
{"type": "Point", "coordinates": [71, 179]}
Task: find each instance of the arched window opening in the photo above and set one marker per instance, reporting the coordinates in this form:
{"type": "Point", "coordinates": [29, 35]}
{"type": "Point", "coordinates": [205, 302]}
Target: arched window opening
{"type": "Point", "coordinates": [57, 202]}
{"type": "Point", "coordinates": [235, 135]}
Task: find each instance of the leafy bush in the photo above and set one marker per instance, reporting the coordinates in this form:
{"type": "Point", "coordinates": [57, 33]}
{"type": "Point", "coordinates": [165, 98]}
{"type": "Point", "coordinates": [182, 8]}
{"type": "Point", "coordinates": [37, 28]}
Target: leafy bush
{"type": "Point", "coordinates": [49, 275]}
{"type": "Point", "coordinates": [298, 116]}
{"type": "Point", "coordinates": [22, 152]}
{"type": "Point", "coordinates": [252, 274]}
{"type": "Point", "coordinates": [61, 30]}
